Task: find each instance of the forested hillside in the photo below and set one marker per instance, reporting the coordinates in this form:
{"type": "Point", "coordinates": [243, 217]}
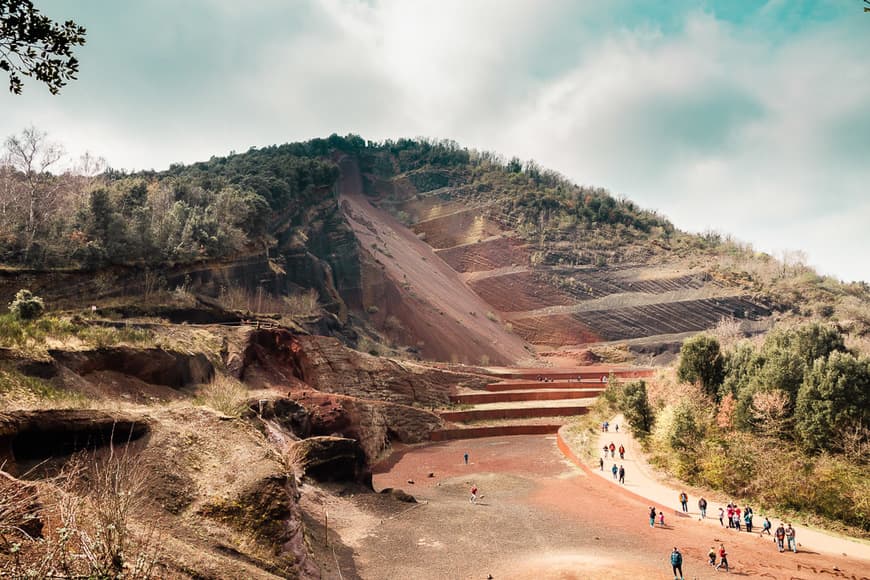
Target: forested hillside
{"type": "Point", "coordinates": [546, 254]}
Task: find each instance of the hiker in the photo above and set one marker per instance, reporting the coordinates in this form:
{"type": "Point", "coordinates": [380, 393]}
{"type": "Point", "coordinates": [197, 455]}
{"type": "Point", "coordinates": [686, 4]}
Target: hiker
{"type": "Point", "coordinates": [747, 519]}
{"type": "Point", "coordinates": [790, 536]}
{"type": "Point", "coordinates": [780, 537]}
{"type": "Point", "coordinates": [614, 470]}
{"type": "Point", "coordinates": [684, 501]}
{"type": "Point", "coordinates": [606, 425]}
{"type": "Point", "coordinates": [466, 458]}
{"type": "Point", "coordinates": [712, 555]}
{"type": "Point", "coordinates": [702, 507]}
{"type": "Point", "coordinates": [765, 527]}
{"type": "Point", "coordinates": [677, 563]}
{"type": "Point", "coordinates": [473, 493]}
{"type": "Point", "coordinates": [612, 449]}
{"type": "Point", "coordinates": [617, 427]}
{"type": "Point", "coordinates": [721, 517]}
{"type": "Point", "coordinates": [622, 451]}
{"type": "Point", "coordinates": [723, 558]}
{"type": "Point", "coordinates": [661, 518]}
{"type": "Point", "coordinates": [730, 512]}
{"type": "Point", "coordinates": [652, 516]}
{"type": "Point", "coordinates": [622, 475]}
{"type": "Point", "coordinates": [601, 463]}
{"type": "Point", "coordinates": [737, 518]}
{"type": "Point", "coordinates": [605, 450]}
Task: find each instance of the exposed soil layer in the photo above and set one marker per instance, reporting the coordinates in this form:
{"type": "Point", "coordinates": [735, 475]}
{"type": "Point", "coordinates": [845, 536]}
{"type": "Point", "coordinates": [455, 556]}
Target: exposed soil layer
{"type": "Point", "coordinates": [30, 437]}
{"type": "Point", "coordinates": [153, 365]}
{"type": "Point", "coordinates": [632, 322]}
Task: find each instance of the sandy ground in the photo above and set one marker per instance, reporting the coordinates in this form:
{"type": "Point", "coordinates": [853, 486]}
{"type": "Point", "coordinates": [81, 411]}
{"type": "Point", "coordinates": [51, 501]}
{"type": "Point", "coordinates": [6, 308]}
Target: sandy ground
{"type": "Point", "coordinates": [539, 516]}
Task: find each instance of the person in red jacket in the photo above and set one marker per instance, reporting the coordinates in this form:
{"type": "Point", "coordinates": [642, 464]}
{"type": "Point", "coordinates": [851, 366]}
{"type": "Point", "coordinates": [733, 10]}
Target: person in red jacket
{"type": "Point", "coordinates": [723, 558]}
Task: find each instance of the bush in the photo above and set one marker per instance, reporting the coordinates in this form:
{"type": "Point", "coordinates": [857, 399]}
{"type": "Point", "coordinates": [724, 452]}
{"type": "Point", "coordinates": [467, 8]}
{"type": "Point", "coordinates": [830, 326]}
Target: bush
{"type": "Point", "coordinates": [226, 395]}
{"type": "Point", "coordinates": [26, 306]}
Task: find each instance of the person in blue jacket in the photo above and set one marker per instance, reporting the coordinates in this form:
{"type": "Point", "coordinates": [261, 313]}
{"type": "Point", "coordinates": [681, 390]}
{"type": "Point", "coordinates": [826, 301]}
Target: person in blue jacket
{"type": "Point", "coordinates": [677, 563]}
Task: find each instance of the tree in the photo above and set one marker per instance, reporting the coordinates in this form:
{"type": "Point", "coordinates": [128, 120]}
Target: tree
{"type": "Point", "coordinates": [33, 45]}
{"type": "Point", "coordinates": [33, 155]}
{"type": "Point", "coordinates": [701, 362]}
{"type": "Point", "coordinates": [26, 306]}
{"type": "Point", "coordinates": [635, 406]}
{"type": "Point", "coordinates": [834, 397]}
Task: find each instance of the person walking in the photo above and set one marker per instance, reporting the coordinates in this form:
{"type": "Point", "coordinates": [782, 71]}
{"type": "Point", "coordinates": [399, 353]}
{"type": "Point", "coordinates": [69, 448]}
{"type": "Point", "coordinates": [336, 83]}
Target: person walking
{"type": "Point", "coordinates": [712, 556]}
{"type": "Point", "coordinates": [779, 535]}
{"type": "Point", "coordinates": [662, 518]}
{"type": "Point", "coordinates": [684, 501]}
{"type": "Point", "coordinates": [722, 517]}
{"type": "Point", "coordinates": [601, 463]}
{"type": "Point", "coordinates": [737, 518]}
{"type": "Point", "coordinates": [747, 519]}
{"type": "Point", "coordinates": [615, 471]}
{"type": "Point", "coordinates": [730, 513]}
{"type": "Point", "coordinates": [622, 451]}
{"type": "Point", "coordinates": [702, 507]}
{"type": "Point", "coordinates": [466, 457]}
{"type": "Point", "coordinates": [677, 563]}
{"type": "Point", "coordinates": [723, 558]}
{"type": "Point", "coordinates": [622, 475]}
{"type": "Point", "coordinates": [612, 449]}
{"type": "Point", "coordinates": [765, 527]}
{"type": "Point", "coordinates": [617, 427]}
{"type": "Point", "coordinates": [652, 516]}
{"type": "Point", "coordinates": [473, 493]}
{"type": "Point", "coordinates": [790, 536]}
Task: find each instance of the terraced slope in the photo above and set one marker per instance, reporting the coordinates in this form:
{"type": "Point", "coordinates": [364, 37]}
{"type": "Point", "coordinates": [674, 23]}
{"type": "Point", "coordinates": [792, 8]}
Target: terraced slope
{"type": "Point", "coordinates": [551, 302]}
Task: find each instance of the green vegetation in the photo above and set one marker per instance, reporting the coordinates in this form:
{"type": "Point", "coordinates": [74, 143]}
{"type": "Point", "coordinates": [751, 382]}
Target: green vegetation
{"type": "Point", "coordinates": [33, 45]}
{"type": "Point", "coordinates": [789, 426]}
{"type": "Point", "coordinates": [701, 363]}
{"type": "Point", "coordinates": [26, 306]}
{"type": "Point", "coordinates": [19, 387]}
{"type": "Point", "coordinates": [34, 333]}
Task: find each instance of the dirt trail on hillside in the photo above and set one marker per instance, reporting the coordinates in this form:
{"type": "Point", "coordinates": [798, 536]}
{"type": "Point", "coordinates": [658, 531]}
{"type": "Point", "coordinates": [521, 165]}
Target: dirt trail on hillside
{"type": "Point", "coordinates": [642, 479]}
{"type": "Point", "coordinates": [434, 301]}
{"type": "Point", "coordinates": [541, 517]}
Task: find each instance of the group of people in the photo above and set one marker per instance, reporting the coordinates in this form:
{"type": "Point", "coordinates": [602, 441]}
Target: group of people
{"type": "Point", "coordinates": [677, 560]}
{"type": "Point", "coordinates": [653, 515]}
{"type": "Point", "coordinates": [605, 427]}
{"type": "Point", "coordinates": [732, 515]}
{"type": "Point", "coordinates": [612, 450]}
{"type": "Point", "coordinates": [783, 534]}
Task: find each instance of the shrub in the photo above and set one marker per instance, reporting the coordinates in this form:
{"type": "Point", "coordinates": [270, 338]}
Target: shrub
{"type": "Point", "coordinates": [226, 395]}
{"type": "Point", "coordinates": [26, 306]}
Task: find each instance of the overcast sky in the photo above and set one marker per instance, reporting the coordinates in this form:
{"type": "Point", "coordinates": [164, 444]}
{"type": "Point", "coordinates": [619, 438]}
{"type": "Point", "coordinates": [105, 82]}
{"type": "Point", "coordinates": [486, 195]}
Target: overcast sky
{"type": "Point", "coordinates": [748, 118]}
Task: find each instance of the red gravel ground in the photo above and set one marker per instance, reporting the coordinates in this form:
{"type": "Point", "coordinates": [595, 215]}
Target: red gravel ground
{"type": "Point", "coordinates": [542, 517]}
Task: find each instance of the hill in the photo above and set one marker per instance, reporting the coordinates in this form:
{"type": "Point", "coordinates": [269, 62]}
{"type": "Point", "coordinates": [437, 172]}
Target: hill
{"type": "Point", "coordinates": [427, 247]}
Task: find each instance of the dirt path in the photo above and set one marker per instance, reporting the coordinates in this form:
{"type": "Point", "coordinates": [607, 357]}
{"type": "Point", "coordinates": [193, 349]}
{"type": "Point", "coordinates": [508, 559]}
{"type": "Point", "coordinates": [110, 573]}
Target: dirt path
{"type": "Point", "coordinates": [643, 480]}
{"type": "Point", "coordinates": [542, 517]}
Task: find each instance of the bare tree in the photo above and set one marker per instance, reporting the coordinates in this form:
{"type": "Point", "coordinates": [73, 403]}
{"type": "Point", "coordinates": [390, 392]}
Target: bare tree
{"type": "Point", "coordinates": [33, 155]}
{"type": "Point", "coordinates": [771, 410]}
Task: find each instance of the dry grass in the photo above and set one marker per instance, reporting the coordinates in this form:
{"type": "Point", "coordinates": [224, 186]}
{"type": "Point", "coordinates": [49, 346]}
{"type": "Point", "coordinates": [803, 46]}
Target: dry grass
{"type": "Point", "coordinates": [224, 394]}
{"type": "Point", "coordinates": [88, 511]}
{"type": "Point", "coordinates": [301, 305]}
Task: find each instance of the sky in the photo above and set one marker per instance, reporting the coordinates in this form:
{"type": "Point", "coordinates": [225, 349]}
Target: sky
{"type": "Point", "coordinates": [748, 118]}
